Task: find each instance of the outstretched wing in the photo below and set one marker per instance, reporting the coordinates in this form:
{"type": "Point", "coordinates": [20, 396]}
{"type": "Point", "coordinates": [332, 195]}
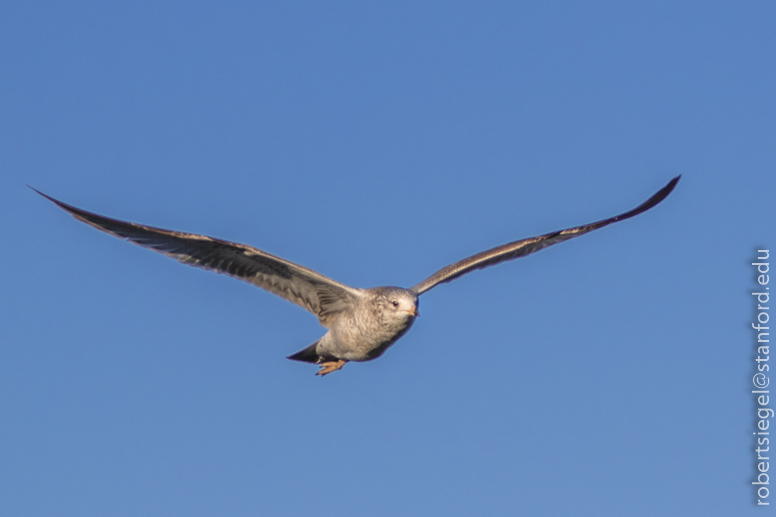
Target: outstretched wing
{"type": "Point", "coordinates": [525, 247]}
{"type": "Point", "coordinates": [318, 294]}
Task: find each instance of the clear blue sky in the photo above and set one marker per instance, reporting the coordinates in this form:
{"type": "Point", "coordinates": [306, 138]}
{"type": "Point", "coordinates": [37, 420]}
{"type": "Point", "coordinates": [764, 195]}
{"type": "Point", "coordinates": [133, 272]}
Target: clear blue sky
{"type": "Point", "coordinates": [376, 143]}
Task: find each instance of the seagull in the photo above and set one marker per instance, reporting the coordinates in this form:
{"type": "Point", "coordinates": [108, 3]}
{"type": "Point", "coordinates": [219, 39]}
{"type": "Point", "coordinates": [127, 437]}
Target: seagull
{"type": "Point", "coordinates": [361, 323]}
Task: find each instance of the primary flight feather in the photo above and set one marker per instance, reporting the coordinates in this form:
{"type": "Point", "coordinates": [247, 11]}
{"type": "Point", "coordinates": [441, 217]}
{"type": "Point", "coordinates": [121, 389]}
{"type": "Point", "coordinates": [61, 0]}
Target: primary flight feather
{"type": "Point", "coordinates": [362, 323]}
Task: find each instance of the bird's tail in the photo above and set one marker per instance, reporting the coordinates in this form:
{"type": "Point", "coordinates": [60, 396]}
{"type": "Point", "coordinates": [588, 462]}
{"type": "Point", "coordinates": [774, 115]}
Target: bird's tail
{"type": "Point", "coordinates": [308, 355]}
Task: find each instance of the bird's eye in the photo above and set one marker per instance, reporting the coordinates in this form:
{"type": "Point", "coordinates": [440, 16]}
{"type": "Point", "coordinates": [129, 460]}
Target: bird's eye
{"type": "Point", "coordinates": [395, 303]}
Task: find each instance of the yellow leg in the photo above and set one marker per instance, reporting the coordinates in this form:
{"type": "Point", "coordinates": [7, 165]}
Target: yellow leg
{"type": "Point", "coordinates": [330, 366]}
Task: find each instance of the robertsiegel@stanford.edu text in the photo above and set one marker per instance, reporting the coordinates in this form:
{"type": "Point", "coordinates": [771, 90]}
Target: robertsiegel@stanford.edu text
{"type": "Point", "coordinates": [761, 379]}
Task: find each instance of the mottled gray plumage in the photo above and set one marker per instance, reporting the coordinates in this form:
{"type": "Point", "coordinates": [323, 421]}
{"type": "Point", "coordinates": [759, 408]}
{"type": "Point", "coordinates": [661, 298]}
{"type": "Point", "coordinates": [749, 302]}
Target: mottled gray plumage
{"type": "Point", "coordinates": [362, 323]}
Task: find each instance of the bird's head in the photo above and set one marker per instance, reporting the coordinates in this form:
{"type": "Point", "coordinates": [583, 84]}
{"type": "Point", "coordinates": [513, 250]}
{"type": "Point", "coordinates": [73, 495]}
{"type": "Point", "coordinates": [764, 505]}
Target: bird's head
{"type": "Point", "coordinates": [398, 303]}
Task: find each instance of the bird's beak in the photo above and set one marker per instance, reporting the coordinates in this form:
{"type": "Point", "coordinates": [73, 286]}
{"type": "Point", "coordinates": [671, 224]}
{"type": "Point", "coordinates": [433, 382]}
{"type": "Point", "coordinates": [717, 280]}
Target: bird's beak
{"type": "Point", "coordinates": [414, 311]}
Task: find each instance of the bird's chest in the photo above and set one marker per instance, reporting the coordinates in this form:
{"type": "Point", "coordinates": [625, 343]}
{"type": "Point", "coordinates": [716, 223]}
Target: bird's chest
{"type": "Point", "coordinates": [367, 337]}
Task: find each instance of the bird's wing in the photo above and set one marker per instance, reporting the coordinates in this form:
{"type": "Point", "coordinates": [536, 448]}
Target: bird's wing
{"type": "Point", "coordinates": [318, 294]}
{"type": "Point", "coordinates": [525, 247]}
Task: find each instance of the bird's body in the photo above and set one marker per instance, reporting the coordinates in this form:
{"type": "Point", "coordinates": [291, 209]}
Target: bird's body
{"type": "Point", "coordinates": [365, 330]}
{"type": "Point", "coordinates": [371, 326]}
{"type": "Point", "coordinates": [361, 323]}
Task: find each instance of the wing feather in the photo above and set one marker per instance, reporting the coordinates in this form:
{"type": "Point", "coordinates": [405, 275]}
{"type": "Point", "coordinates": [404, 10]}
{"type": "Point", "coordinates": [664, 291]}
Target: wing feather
{"type": "Point", "coordinates": [318, 294]}
{"type": "Point", "coordinates": [525, 247]}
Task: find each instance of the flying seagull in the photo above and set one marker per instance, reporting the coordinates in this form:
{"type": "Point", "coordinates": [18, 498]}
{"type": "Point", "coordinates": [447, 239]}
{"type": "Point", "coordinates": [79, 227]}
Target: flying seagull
{"type": "Point", "coordinates": [362, 323]}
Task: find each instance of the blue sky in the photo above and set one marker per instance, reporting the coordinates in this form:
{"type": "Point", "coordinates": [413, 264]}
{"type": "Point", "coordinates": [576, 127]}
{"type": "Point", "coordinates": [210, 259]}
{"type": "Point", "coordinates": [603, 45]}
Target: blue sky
{"type": "Point", "coordinates": [376, 143]}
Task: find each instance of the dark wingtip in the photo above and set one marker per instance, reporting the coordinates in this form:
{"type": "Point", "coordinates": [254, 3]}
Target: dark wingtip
{"type": "Point", "coordinates": [646, 205]}
{"type": "Point", "coordinates": [672, 184]}
{"type": "Point", "coordinates": [663, 192]}
{"type": "Point", "coordinates": [53, 200]}
{"type": "Point", "coordinates": [649, 203]}
{"type": "Point", "coordinates": [36, 190]}
{"type": "Point", "coordinates": [83, 215]}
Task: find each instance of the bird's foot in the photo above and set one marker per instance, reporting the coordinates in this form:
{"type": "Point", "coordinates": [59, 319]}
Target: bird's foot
{"type": "Point", "coordinates": [330, 366]}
